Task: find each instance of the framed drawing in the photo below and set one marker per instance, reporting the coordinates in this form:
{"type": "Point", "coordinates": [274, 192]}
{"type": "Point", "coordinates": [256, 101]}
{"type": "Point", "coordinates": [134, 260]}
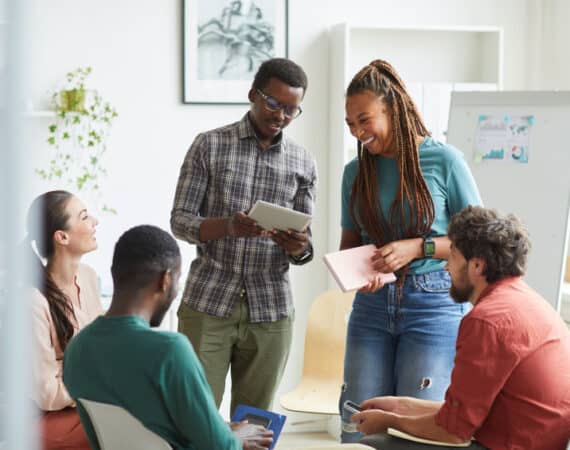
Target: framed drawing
{"type": "Point", "coordinates": [225, 41]}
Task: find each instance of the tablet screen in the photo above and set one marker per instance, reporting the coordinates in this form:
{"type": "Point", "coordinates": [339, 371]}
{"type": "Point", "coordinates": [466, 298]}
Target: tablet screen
{"type": "Point", "coordinates": [257, 420]}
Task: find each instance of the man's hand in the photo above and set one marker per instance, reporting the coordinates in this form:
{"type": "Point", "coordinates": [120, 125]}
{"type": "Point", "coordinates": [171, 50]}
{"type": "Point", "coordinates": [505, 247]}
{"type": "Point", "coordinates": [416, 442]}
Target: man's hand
{"type": "Point", "coordinates": [388, 404]}
{"type": "Point", "coordinates": [403, 406]}
{"type": "Point", "coordinates": [294, 242]}
{"type": "Point", "coordinates": [240, 225]}
{"type": "Point", "coordinates": [252, 437]}
{"type": "Point", "coordinates": [373, 421]}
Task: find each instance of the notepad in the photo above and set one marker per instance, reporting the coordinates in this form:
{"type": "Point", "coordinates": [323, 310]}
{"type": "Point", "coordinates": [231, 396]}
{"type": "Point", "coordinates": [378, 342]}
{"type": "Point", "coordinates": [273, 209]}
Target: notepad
{"type": "Point", "coordinates": [352, 268]}
{"type": "Point", "coordinates": [410, 437]}
{"type": "Point", "coordinates": [270, 420]}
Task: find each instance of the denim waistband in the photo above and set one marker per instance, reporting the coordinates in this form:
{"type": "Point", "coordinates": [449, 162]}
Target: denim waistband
{"type": "Point", "coordinates": [417, 279]}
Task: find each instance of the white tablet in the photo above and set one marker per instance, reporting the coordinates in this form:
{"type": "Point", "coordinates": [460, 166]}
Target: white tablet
{"type": "Point", "coordinates": [270, 216]}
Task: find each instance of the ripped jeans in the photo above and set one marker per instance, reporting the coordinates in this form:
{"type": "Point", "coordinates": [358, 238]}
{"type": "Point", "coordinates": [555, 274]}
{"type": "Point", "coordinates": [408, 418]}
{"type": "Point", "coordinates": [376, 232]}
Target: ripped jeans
{"type": "Point", "coordinates": [404, 349]}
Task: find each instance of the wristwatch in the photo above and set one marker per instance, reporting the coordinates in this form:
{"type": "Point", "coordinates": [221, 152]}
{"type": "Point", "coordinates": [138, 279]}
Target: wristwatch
{"type": "Point", "coordinates": [306, 256]}
{"type": "Point", "coordinates": [429, 247]}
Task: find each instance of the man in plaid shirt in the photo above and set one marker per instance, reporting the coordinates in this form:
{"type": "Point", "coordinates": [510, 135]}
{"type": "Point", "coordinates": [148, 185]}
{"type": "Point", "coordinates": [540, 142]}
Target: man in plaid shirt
{"type": "Point", "coordinates": [237, 306]}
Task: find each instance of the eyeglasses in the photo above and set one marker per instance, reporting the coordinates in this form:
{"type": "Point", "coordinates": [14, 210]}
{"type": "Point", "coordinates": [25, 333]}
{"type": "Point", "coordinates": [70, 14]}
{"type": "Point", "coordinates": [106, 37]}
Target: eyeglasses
{"type": "Point", "coordinates": [273, 105]}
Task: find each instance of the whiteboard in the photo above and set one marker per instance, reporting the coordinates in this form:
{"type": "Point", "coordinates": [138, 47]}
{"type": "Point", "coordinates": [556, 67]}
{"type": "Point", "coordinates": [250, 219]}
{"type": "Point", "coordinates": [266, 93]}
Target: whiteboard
{"type": "Point", "coordinates": [537, 191]}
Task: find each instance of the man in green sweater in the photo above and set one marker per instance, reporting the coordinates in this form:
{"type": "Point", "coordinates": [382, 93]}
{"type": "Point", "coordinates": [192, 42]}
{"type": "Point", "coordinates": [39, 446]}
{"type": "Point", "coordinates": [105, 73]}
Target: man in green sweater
{"type": "Point", "coordinates": [155, 375]}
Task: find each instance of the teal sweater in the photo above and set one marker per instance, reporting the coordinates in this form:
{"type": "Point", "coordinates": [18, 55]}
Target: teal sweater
{"type": "Point", "coordinates": [154, 375]}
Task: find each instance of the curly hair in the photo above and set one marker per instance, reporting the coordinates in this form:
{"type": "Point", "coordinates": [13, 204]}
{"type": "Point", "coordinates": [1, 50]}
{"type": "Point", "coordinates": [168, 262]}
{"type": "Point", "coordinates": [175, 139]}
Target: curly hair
{"type": "Point", "coordinates": [501, 241]}
{"type": "Point", "coordinates": [284, 70]}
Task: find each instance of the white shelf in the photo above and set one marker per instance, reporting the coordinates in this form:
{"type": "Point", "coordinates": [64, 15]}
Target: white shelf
{"type": "Point", "coordinates": [39, 114]}
{"type": "Point", "coordinates": [31, 114]}
{"type": "Point", "coordinates": [566, 290]}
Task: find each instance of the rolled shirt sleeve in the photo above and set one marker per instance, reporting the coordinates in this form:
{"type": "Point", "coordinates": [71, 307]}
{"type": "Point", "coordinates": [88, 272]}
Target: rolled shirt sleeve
{"type": "Point", "coordinates": [185, 218]}
{"type": "Point", "coordinates": [304, 201]}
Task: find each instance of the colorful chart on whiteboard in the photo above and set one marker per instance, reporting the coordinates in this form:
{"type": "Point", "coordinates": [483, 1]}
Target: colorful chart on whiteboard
{"type": "Point", "coordinates": [503, 139]}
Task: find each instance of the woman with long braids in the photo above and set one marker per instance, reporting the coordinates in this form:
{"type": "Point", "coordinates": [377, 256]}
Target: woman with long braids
{"type": "Point", "coordinates": [65, 298]}
{"type": "Point", "coordinates": [399, 194]}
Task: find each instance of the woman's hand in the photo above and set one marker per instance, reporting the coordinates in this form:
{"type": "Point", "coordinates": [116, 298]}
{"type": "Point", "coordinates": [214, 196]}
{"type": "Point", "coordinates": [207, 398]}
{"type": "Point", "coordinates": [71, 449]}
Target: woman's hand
{"type": "Point", "coordinates": [395, 255]}
{"type": "Point", "coordinates": [373, 285]}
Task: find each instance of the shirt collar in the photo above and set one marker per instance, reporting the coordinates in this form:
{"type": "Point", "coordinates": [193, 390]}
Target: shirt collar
{"type": "Point", "coordinates": [132, 320]}
{"type": "Point", "coordinates": [485, 294]}
{"type": "Point", "coordinates": [246, 130]}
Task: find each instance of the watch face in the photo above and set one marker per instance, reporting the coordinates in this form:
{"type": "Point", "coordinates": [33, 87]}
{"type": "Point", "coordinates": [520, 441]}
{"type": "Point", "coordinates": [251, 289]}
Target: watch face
{"type": "Point", "coordinates": [429, 248]}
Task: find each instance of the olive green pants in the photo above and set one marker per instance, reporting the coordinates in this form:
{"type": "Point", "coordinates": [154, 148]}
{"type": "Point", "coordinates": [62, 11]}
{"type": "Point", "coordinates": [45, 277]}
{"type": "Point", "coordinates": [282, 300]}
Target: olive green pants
{"type": "Point", "coordinates": [256, 352]}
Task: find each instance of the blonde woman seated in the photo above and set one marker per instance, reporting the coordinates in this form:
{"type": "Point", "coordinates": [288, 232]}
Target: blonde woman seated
{"type": "Point", "coordinates": [65, 298]}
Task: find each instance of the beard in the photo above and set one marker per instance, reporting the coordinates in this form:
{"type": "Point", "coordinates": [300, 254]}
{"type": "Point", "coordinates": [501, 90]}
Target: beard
{"type": "Point", "coordinates": [163, 308]}
{"type": "Point", "coordinates": [461, 295]}
{"type": "Point", "coordinates": [158, 315]}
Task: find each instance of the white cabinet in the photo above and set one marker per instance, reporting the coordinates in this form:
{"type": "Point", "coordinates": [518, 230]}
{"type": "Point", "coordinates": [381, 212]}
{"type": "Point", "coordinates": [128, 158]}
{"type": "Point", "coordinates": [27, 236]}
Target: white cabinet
{"type": "Point", "coordinates": [432, 62]}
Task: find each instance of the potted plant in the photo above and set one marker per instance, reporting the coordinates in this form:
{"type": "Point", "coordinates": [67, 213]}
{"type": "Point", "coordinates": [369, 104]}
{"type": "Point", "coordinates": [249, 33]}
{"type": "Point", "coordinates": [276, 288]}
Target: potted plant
{"type": "Point", "coordinates": [78, 136]}
{"type": "Point", "coordinates": [72, 99]}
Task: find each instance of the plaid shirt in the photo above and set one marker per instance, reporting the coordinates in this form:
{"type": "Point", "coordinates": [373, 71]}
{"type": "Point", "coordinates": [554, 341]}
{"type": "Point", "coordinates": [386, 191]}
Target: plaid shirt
{"type": "Point", "coordinates": [225, 171]}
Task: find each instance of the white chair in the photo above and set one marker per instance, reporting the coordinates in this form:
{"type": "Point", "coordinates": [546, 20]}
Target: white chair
{"type": "Point", "coordinates": [117, 429]}
{"type": "Point", "coordinates": [319, 389]}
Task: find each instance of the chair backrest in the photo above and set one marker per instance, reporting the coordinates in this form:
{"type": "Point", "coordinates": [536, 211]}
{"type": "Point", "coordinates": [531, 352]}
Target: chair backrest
{"type": "Point", "coordinates": [325, 339]}
{"type": "Point", "coordinates": [117, 429]}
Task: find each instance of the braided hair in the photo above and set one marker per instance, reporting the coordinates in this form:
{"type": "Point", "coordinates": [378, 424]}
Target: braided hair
{"type": "Point", "coordinates": [412, 195]}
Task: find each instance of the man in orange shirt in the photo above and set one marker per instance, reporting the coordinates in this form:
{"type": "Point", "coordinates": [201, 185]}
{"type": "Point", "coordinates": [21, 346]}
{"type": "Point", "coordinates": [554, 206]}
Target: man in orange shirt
{"type": "Point", "coordinates": [510, 385]}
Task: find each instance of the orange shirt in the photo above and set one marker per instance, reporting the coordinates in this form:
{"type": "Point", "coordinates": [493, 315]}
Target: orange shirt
{"type": "Point", "coordinates": [510, 386]}
{"type": "Point", "coordinates": [49, 392]}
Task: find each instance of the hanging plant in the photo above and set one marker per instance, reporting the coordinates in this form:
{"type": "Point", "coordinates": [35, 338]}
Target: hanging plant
{"type": "Point", "coordinates": [78, 136]}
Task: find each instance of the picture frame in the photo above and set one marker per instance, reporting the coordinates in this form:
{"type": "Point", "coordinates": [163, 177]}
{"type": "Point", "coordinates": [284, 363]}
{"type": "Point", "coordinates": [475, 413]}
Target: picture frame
{"type": "Point", "coordinates": [224, 42]}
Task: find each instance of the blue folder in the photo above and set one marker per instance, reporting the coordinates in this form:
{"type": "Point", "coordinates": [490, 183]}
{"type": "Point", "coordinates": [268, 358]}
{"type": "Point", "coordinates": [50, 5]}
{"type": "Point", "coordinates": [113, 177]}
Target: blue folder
{"type": "Point", "coordinates": [261, 417]}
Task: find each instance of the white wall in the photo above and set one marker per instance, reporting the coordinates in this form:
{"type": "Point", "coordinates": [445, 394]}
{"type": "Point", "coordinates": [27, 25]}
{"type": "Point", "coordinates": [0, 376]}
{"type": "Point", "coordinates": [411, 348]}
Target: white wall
{"type": "Point", "coordinates": [134, 47]}
{"type": "Point", "coordinates": [550, 34]}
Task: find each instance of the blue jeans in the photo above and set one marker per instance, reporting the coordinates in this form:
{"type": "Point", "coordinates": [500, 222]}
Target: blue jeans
{"type": "Point", "coordinates": [403, 349]}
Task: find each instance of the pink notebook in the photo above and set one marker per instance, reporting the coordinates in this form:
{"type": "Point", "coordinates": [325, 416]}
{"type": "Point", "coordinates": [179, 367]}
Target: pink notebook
{"type": "Point", "coordinates": [352, 268]}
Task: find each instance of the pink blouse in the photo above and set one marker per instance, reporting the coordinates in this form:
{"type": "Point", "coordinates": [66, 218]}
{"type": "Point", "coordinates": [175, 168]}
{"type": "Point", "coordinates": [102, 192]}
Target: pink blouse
{"type": "Point", "coordinates": [50, 393]}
